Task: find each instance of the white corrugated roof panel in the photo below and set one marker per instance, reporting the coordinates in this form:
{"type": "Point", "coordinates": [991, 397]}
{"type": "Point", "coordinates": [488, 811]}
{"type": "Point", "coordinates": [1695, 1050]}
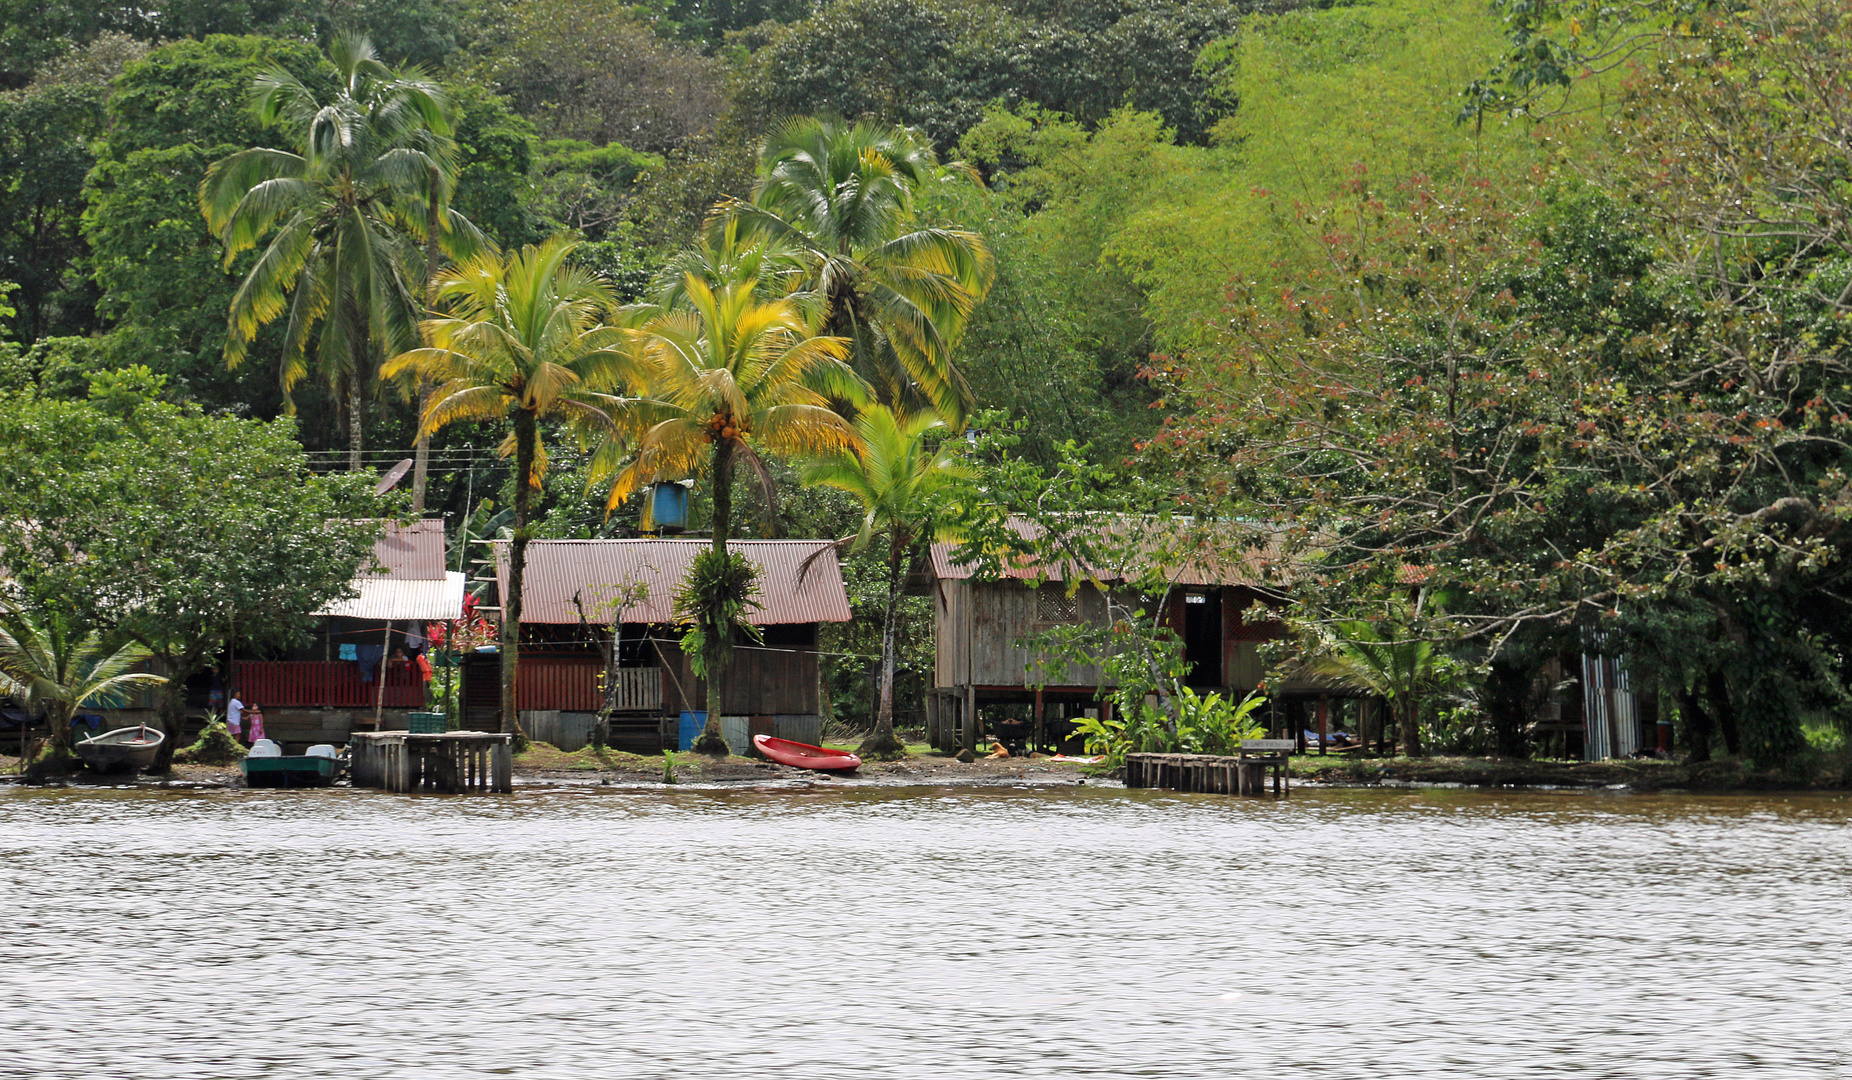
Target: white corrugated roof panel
{"type": "Point", "coordinates": [400, 599]}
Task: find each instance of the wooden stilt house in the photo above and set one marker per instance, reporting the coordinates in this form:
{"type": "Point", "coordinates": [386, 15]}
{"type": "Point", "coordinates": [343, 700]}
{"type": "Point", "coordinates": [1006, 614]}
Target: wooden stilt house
{"type": "Point", "coordinates": [1221, 608]}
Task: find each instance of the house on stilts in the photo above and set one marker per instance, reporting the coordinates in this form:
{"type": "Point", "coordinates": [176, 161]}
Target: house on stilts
{"type": "Point", "coordinates": [597, 634]}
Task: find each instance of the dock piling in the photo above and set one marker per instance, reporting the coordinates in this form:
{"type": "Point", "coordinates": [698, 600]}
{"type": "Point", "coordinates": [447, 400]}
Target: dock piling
{"type": "Point", "coordinates": [454, 762]}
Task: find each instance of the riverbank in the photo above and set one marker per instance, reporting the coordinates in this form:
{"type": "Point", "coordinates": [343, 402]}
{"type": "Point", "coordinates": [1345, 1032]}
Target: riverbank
{"type": "Point", "coordinates": [543, 763]}
{"type": "Point", "coordinates": [1813, 772]}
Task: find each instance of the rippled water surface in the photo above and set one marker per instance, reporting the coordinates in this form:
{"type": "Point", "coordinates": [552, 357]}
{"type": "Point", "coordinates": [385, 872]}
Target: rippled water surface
{"type": "Point", "coordinates": [969, 933]}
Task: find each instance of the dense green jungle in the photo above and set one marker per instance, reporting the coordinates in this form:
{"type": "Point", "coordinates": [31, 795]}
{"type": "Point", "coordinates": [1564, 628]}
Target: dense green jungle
{"type": "Point", "coordinates": [1509, 331]}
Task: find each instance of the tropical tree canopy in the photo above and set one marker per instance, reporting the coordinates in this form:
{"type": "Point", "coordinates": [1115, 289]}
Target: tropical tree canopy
{"type": "Point", "coordinates": [1399, 668]}
{"type": "Point", "coordinates": [54, 667]}
{"type": "Point", "coordinates": [733, 376]}
{"type": "Point", "coordinates": [523, 333]}
{"type": "Point", "coordinates": [367, 181]}
{"type": "Point", "coordinates": [898, 476]}
{"type": "Point", "coordinates": [526, 339]}
{"type": "Point", "coordinates": [899, 291]}
{"type": "Point", "coordinates": [895, 472]}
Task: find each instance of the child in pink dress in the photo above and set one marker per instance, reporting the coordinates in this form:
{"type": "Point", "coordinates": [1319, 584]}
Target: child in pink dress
{"type": "Point", "coordinates": [254, 721]}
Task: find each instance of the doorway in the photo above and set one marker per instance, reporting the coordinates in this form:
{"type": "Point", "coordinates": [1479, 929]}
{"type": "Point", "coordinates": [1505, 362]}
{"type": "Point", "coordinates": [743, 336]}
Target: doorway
{"type": "Point", "coordinates": [1202, 637]}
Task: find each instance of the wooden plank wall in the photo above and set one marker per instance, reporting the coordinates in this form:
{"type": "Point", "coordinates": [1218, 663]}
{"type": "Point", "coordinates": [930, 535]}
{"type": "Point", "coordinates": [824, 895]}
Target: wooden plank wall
{"type": "Point", "coordinates": [761, 682]}
{"type": "Point", "coordinates": [1002, 614]}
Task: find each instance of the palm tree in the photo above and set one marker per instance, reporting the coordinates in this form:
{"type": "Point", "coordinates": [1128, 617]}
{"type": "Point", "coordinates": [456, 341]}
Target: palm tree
{"type": "Point", "coordinates": [900, 292]}
{"type": "Point", "coordinates": [1397, 668]}
{"type": "Point", "coordinates": [897, 476]}
{"type": "Point", "coordinates": [368, 179]}
{"type": "Point", "coordinates": [733, 377]}
{"type": "Point", "coordinates": [55, 668]}
{"type": "Point", "coordinates": [526, 339]}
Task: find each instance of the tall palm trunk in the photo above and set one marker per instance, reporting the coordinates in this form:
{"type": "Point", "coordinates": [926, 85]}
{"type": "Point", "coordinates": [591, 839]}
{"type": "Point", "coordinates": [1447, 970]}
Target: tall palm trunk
{"type": "Point", "coordinates": [723, 494]}
{"type": "Point", "coordinates": [719, 647]}
{"type": "Point", "coordinates": [421, 467]}
{"type": "Point", "coordinates": [526, 426]}
{"type": "Point", "coordinates": [422, 455]}
{"type": "Point", "coordinates": [353, 422]}
{"type": "Point", "coordinates": [883, 742]}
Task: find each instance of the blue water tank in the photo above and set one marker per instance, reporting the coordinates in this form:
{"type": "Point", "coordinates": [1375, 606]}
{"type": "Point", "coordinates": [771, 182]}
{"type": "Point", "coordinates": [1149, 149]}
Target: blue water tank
{"type": "Point", "coordinates": [665, 510]}
{"type": "Point", "coordinates": [690, 730]}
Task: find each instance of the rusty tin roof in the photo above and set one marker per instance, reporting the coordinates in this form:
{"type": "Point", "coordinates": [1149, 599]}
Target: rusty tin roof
{"type": "Point", "coordinates": [1195, 556]}
{"type": "Point", "coordinates": [413, 552]}
{"type": "Point", "coordinates": [595, 569]}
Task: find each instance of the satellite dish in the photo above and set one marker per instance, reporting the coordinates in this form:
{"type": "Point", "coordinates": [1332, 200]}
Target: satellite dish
{"type": "Point", "coordinates": [393, 476]}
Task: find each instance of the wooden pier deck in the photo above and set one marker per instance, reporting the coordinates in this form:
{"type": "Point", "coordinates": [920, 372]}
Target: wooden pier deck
{"type": "Point", "coordinates": [1245, 774]}
{"type": "Point", "coordinates": [454, 762]}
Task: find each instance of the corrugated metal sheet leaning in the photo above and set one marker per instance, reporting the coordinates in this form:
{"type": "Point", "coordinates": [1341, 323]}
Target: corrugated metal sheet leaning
{"type": "Point", "coordinates": [594, 570]}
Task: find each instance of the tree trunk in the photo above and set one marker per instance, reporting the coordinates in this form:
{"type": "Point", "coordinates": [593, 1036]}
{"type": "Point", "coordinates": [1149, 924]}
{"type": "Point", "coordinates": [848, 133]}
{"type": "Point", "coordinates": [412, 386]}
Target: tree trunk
{"type": "Point", "coordinates": [883, 743]}
{"type": "Point", "coordinates": [1411, 730]}
{"type": "Point", "coordinates": [1507, 692]}
{"type": "Point", "coordinates": [526, 426]}
{"type": "Point", "coordinates": [172, 711]}
{"type": "Point", "coordinates": [353, 423]}
{"type": "Point", "coordinates": [1697, 727]}
{"type": "Point", "coordinates": [723, 495]}
{"type": "Point", "coordinates": [58, 723]}
{"type": "Point", "coordinates": [421, 466]}
{"type": "Point", "coordinates": [432, 227]}
{"type": "Point", "coordinates": [719, 645]}
{"type": "Point", "coordinates": [1723, 710]}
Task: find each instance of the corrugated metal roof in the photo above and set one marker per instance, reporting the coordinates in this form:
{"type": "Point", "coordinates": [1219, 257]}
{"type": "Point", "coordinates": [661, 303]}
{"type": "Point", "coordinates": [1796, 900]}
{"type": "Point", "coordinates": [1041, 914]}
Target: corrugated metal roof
{"type": "Point", "coordinates": [595, 569]}
{"type": "Point", "coordinates": [1224, 556]}
{"type": "Point", "coordinates": [394, 599]}
{"type": "Point", "coordinates": [413, 552]}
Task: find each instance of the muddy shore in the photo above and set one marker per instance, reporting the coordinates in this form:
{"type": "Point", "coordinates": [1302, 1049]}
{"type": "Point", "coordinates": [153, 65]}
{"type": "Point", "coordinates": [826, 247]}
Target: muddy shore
{"type": "Point", "coordinates": [544, 765]}
{"type": "Point", "coordinates": [1824, 772]}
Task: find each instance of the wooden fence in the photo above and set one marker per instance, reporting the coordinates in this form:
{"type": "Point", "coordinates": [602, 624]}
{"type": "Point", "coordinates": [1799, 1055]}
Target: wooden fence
{"type": "Point", "coordinates": [571, 685]}
{"type": "Point", "coordinates": [328, 684]}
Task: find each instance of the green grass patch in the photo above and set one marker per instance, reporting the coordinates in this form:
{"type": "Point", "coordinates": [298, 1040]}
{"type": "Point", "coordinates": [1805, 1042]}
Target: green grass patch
{"type": "Point", "coordinates": [550, 758]}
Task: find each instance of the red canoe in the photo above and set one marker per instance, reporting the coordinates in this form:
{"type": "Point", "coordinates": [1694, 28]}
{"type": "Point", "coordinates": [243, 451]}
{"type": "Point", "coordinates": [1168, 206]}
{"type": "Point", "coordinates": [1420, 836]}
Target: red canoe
{"type": "Point", "coordinates": [803, 755]}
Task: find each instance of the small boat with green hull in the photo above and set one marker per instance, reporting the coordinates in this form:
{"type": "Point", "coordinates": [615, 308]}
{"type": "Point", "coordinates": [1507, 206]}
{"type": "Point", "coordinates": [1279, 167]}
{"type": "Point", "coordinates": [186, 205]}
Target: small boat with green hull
{"type": "Point", "coordinates": [317, 768]}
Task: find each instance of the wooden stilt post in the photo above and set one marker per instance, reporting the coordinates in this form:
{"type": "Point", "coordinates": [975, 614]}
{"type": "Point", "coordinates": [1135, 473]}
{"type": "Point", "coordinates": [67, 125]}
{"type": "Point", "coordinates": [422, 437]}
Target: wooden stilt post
{"type": "Point", "coordinates": [1324, 723]}
{"type": "Point", "coordinates": [379, 696]}
{"type": "Point", "coordinates": [1036, 740]}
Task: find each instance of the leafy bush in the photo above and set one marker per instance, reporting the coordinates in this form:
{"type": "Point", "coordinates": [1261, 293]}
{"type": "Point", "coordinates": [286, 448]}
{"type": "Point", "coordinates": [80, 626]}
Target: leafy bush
{"type": "Point", "coordinates": [1207, 724]}
{"type": "Point", "coordinates": [215, 746]}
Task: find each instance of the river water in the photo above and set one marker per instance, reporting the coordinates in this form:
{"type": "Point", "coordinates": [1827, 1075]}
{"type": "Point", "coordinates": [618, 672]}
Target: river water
{"type": "Point", "coordinates": [922, 932]}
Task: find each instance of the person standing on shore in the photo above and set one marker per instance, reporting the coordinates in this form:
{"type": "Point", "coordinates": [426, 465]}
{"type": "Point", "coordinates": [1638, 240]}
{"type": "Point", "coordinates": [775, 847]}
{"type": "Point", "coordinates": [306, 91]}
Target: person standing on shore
{"type": "Point", "coordinates": [234, 718]}
{"type": "Point", "coordinates": [254, 720]}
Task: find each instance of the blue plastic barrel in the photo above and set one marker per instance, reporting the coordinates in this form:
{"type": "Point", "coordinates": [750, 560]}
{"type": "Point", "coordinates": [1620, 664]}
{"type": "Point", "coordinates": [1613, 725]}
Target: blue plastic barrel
{"type": "Point", "coordinates": [692, 723]}
{"type": "Point", "coordinates": [668, 508]}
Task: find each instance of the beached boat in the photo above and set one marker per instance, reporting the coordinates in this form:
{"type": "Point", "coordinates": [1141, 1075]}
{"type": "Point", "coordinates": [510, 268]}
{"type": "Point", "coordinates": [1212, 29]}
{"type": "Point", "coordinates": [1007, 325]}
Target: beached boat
{"type": "Point", "coordinates": [128, 749]}
{"type": "Point", "coordinates": [293, 770]}
{"type": "Point", "coordinates": [317, 768]}
{"type": "Point", "coordinates": [805, 756]}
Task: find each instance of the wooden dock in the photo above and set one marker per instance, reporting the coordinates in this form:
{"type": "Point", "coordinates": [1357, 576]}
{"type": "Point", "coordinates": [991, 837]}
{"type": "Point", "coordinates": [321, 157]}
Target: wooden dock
{"type": "Point", "coordinates": [453, 762]}
{"type": "Point", "coordinates": [1242, 775]}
